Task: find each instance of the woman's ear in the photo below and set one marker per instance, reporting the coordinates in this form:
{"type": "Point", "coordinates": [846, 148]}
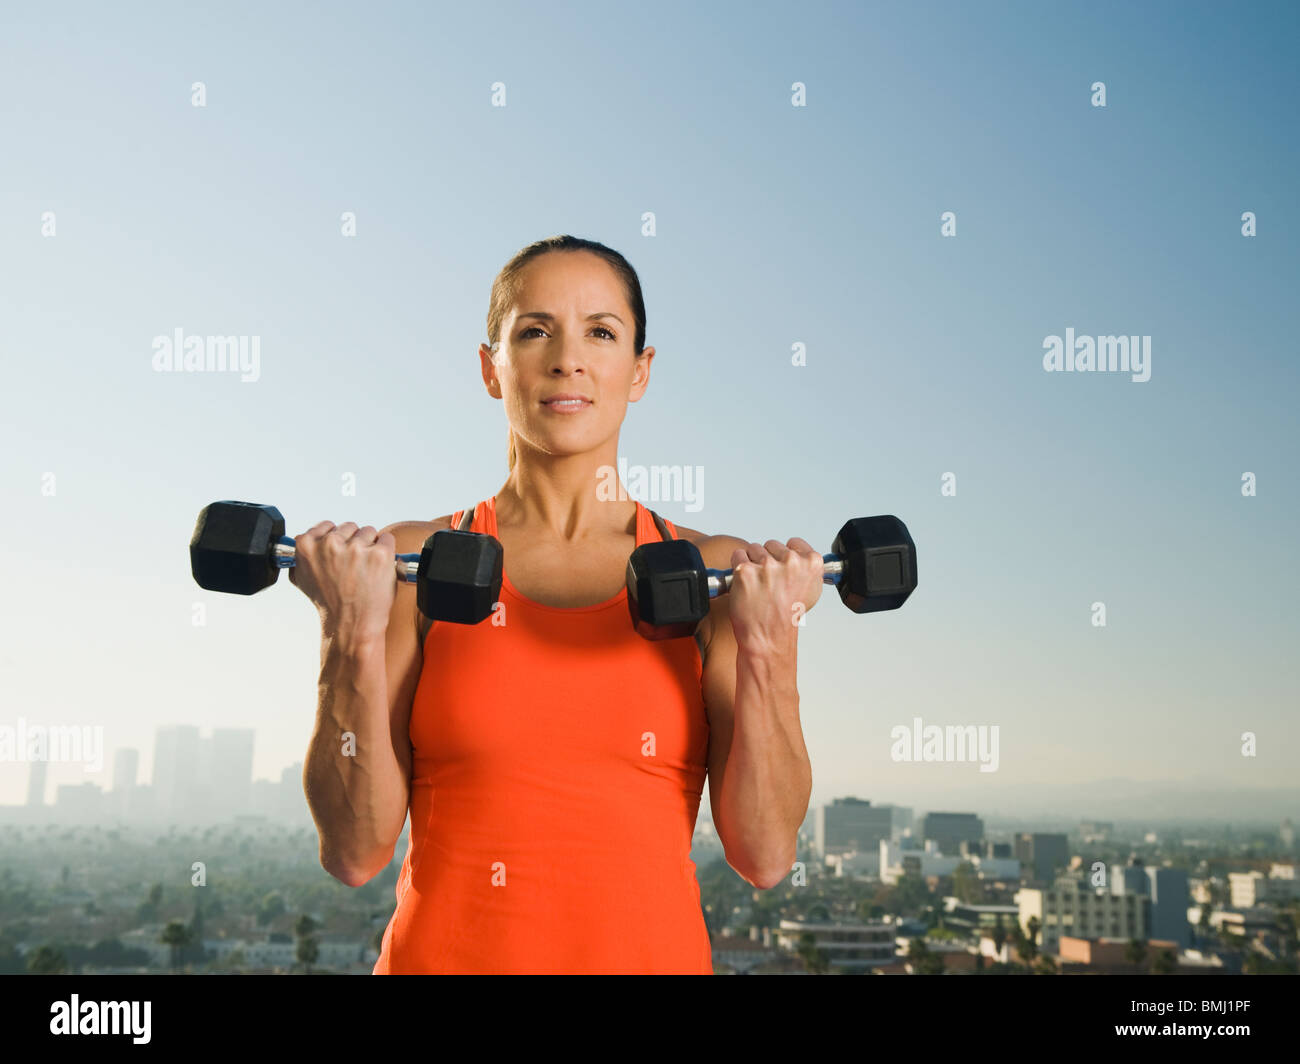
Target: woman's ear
{"type": "Point", "coordinates": [641, 375]}
{"type": "Point", "coordinates": [488, 365]}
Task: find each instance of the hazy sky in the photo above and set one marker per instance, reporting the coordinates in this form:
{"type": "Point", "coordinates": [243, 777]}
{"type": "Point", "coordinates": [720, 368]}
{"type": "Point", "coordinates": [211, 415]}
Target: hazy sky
{"type": "Point", "coordinates": [775, 225]}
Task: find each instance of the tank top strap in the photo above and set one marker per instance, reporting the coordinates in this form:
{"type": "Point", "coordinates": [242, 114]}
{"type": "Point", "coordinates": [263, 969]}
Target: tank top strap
{"type": "Point", "coordinates": [651, 528]}
{"type": "Point", "coordinates": [465, 520]}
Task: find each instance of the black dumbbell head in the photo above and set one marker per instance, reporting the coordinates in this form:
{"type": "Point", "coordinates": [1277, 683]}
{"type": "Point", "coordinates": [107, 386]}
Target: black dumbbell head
{"type": "Point", "coordinates": [667, 589]}
{"type": "Point", "coordinates": [459, 578]}
{"type": "Point", "coordinates": [879, 563]}
{"type": "Point", "coordinates": [231, 547]}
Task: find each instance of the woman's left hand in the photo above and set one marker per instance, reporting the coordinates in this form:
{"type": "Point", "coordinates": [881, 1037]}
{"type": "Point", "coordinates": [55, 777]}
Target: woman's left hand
{"type": "Point", "coordinates": [773, 586]}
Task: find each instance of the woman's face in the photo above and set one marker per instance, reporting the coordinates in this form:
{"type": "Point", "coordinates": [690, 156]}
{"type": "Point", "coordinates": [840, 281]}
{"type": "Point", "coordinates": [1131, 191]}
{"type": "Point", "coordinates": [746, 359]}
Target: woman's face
{"type": "Point", "coordinates": [569, 350]}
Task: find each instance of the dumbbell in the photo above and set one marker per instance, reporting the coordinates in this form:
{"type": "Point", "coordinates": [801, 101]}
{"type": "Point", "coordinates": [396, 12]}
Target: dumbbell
{"type": "Point", "coordinates": [240, 547]}
{"type": "Point", "coordinates": [872, 565]}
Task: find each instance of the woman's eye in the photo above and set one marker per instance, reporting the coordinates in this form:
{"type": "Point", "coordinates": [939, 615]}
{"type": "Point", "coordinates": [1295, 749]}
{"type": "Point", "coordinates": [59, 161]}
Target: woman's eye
{"type": "Point", "coordinates": [534, 328]}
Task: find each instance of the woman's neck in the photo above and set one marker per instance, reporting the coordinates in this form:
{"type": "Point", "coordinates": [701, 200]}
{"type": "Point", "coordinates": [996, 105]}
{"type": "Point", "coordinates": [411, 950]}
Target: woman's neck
{"type": "Point", "coordinates": [575, 497]}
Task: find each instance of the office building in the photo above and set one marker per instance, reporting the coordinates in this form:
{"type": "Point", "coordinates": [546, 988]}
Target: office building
{"type": "Point", "coordinates": [36, 774]}
{"type": "Point", "coordinates": [1130, 878]}
{"type": "Point", "coordinates": [1069, 907]}
{"type": "Point", "coordinates": [1249, 889]}
{"type": "Point", "coordinates": [126, 767]}
{"type": "Point", "coordinates": [1042, 855]}
{"type": "Point", "coordinates": [949, 830]}
{"type": "Point", "coordinates": [851, 825]}
{"type": "Point", "coordinates": [1169, 904]}
{"type": "Point", "coordinates": [232, 769]}
{"type": "Point", "coordinates": [198, 780]}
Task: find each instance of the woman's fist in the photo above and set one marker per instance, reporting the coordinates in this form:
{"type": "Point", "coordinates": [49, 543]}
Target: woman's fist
{"type": "Point", "coordinates": [773, 585]}
{"type": "Point", "coordinates": [349, 573]}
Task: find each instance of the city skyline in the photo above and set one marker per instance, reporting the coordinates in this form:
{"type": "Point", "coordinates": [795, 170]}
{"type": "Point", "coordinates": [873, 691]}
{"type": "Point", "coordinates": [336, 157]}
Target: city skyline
{"type": "Point", "coordinates": [178, 748]}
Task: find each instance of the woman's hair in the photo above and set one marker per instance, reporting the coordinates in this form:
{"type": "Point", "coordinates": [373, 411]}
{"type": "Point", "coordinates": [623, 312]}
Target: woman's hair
{"type": "Point", "coordinates": [505, 288]}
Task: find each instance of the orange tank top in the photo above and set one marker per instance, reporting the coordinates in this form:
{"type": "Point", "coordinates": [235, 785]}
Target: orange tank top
{"type": "Point", "coordinates": [558, 760]}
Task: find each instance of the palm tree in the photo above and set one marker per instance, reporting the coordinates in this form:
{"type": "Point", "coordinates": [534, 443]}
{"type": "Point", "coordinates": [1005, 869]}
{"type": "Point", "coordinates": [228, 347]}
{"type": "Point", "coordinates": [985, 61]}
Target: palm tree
{"type": "Point", "coordinates": [1026, 942]}
{"type": "Point", "coordinates": [47, 960]}
{"type": "Point", "coordinates": [1165, 963]}
{"type": "Point", "coordinates": [999, 936]}
{"type": "Point", "coordinates": [307, 949]}
{"type": "Point", "coordinates": [1033, 925]}
{"type": "Point", "coordinates": [176, 936]}
{"type": "Point", "coordinates": [196, 926]}
{"type": "Point", "coordinates": [1286, 924]}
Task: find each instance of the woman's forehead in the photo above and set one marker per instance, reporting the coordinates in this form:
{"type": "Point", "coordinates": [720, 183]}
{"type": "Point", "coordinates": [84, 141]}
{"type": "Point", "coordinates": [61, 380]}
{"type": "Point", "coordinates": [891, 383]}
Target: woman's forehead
{"type": "Point", "coordinates": [567, 280]}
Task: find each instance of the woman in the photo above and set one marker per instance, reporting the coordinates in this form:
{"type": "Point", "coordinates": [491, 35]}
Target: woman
{"type": "Point", "coordinates": [551, 759]}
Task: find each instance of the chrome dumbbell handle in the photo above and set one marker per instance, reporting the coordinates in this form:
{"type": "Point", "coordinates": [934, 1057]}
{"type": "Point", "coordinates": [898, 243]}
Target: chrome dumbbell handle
{"type": "Point", "coordinates": [720, 580]}
{"type": "Point", "coordinates": [283, 556]}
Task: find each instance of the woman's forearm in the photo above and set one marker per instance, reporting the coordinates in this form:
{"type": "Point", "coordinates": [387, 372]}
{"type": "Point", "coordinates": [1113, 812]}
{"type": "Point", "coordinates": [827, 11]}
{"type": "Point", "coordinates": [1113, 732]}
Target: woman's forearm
{"type": "Point", "coordinates": [356, 787]}
{"type": "Point", "coordinates": [768, 778]}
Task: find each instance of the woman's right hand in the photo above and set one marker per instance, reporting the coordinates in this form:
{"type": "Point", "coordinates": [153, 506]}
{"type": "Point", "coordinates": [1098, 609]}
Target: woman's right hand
{"type": "Point", "coordinates": [350, 575]}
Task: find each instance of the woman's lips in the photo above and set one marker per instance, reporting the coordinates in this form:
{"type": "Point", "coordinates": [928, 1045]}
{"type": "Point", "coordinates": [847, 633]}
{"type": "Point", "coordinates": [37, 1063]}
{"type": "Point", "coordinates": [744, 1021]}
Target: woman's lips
{"type": "Point", "coordinates": [567, 406]}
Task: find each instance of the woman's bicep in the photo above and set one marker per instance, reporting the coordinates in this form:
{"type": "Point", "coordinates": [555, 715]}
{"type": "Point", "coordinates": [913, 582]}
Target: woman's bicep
{"type": "Point", "coordinates": [403, 653]}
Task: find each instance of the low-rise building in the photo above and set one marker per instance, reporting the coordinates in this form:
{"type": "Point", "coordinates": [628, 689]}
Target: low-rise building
{"type": "Point", "coordinates": [1069, 907]}
{"type": "Point", "coordinates": [1109, 954]}
{"type": "Point", "coordinates": [1248, 889]}
{"type": "Point", "coordinates": [976, 918]}
{"type": "Point", "coordinates": [847, 946]}
{"type": "Point", "coordinates": [740, 955]}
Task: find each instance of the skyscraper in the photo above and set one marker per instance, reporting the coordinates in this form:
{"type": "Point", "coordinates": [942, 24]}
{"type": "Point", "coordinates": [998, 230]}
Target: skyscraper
{"type": "Point", "coordinates": [232, 771]}
{"type": "Point", "coordinates": [36, 782]}
{"type": "Point", "coordinates": [200, 780]}
{"type": "Point", "coordinates": [126, 766]}
{"type": "Point", "coordinates": [177, 769]}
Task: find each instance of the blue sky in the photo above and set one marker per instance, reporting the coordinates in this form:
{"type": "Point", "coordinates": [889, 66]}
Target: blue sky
{"type": "Point", "coordinates": [775, 225]}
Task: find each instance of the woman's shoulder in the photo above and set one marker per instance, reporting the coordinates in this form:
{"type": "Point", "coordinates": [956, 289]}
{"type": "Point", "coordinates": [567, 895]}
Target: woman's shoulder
{"type": "Point", "coordinates": [716, 549]}
{"type": "Point", "coordinates": [410, 535]}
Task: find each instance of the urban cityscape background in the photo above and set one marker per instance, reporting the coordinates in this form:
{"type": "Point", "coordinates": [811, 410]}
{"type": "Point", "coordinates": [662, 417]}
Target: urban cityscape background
{"type": "Point", "coordinates": [204, 870]}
